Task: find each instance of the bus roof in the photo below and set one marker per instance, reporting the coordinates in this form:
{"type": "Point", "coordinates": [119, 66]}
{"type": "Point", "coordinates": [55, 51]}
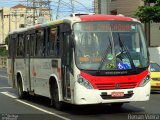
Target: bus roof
{"type": "Point", "coordinates": [78, 19]}
{"type": "Point", "coordinates": [37, 26]}
{"type": "Point", "coordinates": [106, 17]}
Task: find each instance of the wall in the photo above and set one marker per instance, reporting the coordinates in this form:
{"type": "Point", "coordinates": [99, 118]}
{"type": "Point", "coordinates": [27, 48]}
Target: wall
{"type": "Point", "coordinates": [13, 17]}
{"type": "Point", "coordinates": [3, 62]}
{"type": "Point", "coordinates": [125, 7]}
{"type": "Point", "coordinates": [155, 54]}
{"type": "Point", "coordinates": [155, 34]}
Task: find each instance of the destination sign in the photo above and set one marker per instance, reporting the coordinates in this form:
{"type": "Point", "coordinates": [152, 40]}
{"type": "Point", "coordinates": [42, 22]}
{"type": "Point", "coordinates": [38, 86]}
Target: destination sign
{"type": "Point", "coordinates": [105, 27]}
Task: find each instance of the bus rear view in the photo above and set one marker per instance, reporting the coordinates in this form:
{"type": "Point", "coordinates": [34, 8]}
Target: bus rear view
{"type": "Point", "coordinates": [112, 59]}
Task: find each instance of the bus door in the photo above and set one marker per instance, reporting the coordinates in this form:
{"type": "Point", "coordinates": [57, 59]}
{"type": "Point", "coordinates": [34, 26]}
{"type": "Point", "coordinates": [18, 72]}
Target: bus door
{"type": "Point", "coordinates": [12, 48]}
{"type": "Point", "coordinates": [66, 65]}
{"type": "Point", "coordinates": [29, 83]}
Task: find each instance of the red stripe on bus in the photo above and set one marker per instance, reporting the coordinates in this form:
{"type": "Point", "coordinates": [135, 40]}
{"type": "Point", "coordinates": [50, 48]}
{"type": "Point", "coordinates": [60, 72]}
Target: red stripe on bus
{"type": "Point", "coordinates": [111, 82]}
{"type": "Point", "coordinates": [59, 73]}
{"type": "Point", "coordinates": [33, 71]}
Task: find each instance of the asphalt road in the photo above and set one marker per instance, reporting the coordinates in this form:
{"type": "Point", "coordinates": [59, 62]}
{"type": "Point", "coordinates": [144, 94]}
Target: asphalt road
{"type": "Point", "coordinates": [38, 108]}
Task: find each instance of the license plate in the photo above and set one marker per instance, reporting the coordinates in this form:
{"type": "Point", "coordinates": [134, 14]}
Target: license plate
{"type": "Point", "coordinates": [117, 94]}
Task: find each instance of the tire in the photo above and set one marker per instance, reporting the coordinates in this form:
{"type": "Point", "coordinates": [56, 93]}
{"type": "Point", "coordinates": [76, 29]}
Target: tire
{"type": "Point", "coordinates": [55, 97]}
{"type": "Point", "coordinates": [20, 88]}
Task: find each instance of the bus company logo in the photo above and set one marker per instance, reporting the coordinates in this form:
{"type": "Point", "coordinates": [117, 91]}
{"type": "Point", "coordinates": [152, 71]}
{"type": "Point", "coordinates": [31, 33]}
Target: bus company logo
{"type": "Point", "coordinates": [117, 85]}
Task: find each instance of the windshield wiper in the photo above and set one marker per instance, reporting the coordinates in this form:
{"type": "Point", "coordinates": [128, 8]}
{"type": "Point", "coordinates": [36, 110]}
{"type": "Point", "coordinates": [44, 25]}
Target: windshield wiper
{"type": "Point", "coordinates": [126, 51]}
{"type": "Point", "coordinates": [104, 56]}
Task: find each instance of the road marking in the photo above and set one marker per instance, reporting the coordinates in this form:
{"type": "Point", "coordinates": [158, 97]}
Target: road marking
{"type": "Point", "coordinates": [9, 94]}
{"type": "Point", "coordinates": [43, 110]}
{"type": "Point", "coordinates": [3, 76]}
{"type": "Point", "coordinates": [33, 106]}
{"type": "Point", "coordinates": [5, 87]}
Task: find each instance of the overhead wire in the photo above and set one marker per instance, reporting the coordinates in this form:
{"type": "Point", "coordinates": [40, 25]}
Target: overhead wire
{"type": "Point", "coordinates": [79, 5]}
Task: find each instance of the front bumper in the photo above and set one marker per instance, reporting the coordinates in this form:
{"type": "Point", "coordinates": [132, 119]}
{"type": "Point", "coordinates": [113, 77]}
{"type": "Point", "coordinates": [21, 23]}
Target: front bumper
{"type": "Point", "coordinates": [94, 96]}
{"type": "Point", "coordinates": [155, 85]}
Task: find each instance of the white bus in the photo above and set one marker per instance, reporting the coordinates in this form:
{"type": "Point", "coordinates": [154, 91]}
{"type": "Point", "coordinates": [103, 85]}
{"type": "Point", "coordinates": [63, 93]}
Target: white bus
{"type": "Point", "coordinates": [85, 59]}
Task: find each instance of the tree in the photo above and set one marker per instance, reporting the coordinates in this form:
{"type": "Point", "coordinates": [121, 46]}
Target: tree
{"type": "Point", "coordinates": [3, 51]}
{"type": "Point", "coordinates": [149, 13]}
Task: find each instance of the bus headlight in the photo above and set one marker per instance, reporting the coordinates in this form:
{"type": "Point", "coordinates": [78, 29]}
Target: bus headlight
{"type": "Point", "coordinates": [82, 81]}
{"type": "Point", "coordinates": [145, 81]}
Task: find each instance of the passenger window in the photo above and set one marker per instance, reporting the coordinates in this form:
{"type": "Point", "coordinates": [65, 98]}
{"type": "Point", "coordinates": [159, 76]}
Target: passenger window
{"type": "Point", "coordinates": [53, 42]}
{"type": "Point", "coordinates": [20, 45]}
{"type": "Point", "coordinates": [40, 43]}
{"type": "Point", "coordinates": [32, 44]}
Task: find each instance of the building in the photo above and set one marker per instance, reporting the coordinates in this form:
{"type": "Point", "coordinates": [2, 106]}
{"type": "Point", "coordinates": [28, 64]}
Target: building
{"type": "Point", "coordinates": [127, 8]}
{"type": "Point", "coordinates": [12, 18]}
{"type": "Point", "coordinates": [101, 6]}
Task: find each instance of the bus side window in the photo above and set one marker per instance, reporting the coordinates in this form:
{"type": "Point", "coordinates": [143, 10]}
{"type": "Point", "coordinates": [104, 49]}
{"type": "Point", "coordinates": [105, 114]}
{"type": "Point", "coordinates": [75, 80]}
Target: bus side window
{"type": "Point", "coordinates": [32, 44]}
{"type": "Point", "coordinates": [27, 44]}
{"type": "Point", "coordinates": [52, 42]}
{"type": "Point", "coordinates": [40, 43]}
{"type": "Point", "coordinates": [17, 46]}
{"type": "Point", "coordinates": [9, 45]}
{"type": "Point", "coordinates": [20, 45]}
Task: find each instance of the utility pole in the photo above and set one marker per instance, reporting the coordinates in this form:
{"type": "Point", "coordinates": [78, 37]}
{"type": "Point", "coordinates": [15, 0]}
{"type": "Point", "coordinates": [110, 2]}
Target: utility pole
{"type": "Point", "coordinates": [147, 28]}
{"type": "Point", "coordinates": [72, 6]}
{"type": "Point", "coordinates": [37, 9]}
{"type": "Point", "coordinates": [2, 19]}
{"type": "Point", "coordinates": [1, 12]}
{"type": "Point", "coordinates": [9, 22]}
{"type": "Point", "coordinates": [34, 14]}
{"type": "Point", "coordinates": [15, 19]}
{"type": "Point", "coordinates": [58, 7]}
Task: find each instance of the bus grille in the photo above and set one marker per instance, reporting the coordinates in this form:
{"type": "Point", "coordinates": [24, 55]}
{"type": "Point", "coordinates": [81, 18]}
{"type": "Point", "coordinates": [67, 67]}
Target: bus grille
{"type": "Point", "coordinates": [111, 86]}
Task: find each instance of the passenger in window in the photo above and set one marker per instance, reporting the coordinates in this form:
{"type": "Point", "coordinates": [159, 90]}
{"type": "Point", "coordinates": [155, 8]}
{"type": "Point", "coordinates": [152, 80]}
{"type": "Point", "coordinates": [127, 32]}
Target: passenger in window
{"type": "Point", "coordinates": [41, 43]}
{"type": "Point", "coordinates": [91, 45]}
{"type": "Point", "coordinates": [52, 41]}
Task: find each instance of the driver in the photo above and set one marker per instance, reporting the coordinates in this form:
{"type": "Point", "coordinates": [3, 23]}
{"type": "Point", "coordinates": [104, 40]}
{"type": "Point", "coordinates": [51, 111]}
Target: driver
{"type": "Point", "coordinates": [90, 46]}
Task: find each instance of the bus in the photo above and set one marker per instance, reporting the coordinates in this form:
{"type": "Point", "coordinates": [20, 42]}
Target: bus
{"type": "Point", "coordinates": [82, 60]}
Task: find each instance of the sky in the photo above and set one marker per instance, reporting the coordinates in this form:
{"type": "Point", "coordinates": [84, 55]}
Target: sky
{"type": "Point", "coordinates": [65, 6]}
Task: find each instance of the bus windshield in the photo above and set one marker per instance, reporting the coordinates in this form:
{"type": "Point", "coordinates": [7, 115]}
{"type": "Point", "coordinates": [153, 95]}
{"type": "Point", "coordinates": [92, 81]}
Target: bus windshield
{"type": "Point", "coordinates": [110, 45]}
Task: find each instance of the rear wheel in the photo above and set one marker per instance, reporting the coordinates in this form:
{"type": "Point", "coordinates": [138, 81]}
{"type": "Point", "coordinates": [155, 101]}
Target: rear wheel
{"type": "Point", "coordinates": [20, 87]}
{"type": "Point", "coordinates": [55, 97]}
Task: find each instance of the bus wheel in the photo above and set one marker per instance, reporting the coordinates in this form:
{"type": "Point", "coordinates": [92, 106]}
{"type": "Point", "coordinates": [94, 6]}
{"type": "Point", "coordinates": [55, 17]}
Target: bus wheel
{"type": "Point", "coordinates": [55, 97]}
{"type": "Point", "coordinates": [20, 88]}
{"type": "Point", "coordinates": [117, 105]}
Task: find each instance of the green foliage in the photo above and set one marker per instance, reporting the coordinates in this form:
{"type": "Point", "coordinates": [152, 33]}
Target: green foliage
{"type": "Point", "coordinates": [3, 51]}
{"type": "Point", "coordinates": [156, 2]}
{"type": "Point", "coordinates": [149, 13]}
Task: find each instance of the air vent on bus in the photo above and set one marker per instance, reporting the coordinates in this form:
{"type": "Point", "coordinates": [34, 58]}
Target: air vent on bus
{"type": "Point", "coordinates": [111, 86]}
